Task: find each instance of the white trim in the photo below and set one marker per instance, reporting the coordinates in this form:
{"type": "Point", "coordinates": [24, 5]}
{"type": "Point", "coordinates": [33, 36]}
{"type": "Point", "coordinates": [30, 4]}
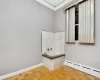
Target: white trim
{"type": "Point", "coordinates": [46, 4]}
{"type": "Point", "coordinates": [19, 72]}
{"type": "Point", "coordinates": [63, 4]}
{"type": "Point", "coordinates": [67, 62]}
{"type": "Point", "coordinates": [52, 7]}
{"type": "Point", "coordinates": [72, 3]}
{"type": "Point", "coordinates": [83, 68]}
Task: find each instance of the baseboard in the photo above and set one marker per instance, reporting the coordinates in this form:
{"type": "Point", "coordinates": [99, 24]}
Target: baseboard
{"type": "Point", "coordinates": [18, 72]}
{"type": "Point", "coordinates": [86, 69]}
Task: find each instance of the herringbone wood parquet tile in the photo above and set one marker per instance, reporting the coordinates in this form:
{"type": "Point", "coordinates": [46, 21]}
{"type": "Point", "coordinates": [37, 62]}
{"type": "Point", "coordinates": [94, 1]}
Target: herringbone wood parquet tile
{"type": "Point", "coordinates": [63, 73]}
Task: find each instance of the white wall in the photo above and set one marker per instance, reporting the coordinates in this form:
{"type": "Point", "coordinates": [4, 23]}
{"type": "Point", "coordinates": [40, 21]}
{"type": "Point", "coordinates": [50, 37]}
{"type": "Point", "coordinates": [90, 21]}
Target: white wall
{"type": "Point", "coordinates": [21, 22]}
{"type": "Point", "coordinates": [59, 42]}
{"type": "Point", "coordinates": [48, 41]}
{"type": "Point", "coordinates": [53, 40]}
{"type": "Point", "coordinates": [84, 54]}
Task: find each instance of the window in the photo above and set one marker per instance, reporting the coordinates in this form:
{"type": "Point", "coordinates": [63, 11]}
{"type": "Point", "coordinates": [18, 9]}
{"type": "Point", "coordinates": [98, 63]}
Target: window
{"type": "Point", "coordinates": [76, 14]}
{"type": "Point", "coordinates": [76, 22]}
{"type": "Point", "coordinates": [80, 22]}
{"type": "Point", "coordinates": [70, 25]}
{"type": "Point", "coordinates": [86, 21]}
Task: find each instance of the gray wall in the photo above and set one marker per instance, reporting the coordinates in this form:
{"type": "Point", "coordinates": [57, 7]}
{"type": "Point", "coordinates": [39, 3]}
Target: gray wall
{"type": "Point", "coordinates": [84, 54]}
{"type": "Point", "coordinates": [21, 22]}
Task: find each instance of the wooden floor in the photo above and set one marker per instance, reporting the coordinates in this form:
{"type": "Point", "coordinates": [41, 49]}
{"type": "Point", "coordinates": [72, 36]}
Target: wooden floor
{"type": "Point", "coordinates": [63, 73]}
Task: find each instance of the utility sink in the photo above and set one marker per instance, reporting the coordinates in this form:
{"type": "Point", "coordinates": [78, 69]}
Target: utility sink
{"type": "Point", "coordinates": [53, 62]}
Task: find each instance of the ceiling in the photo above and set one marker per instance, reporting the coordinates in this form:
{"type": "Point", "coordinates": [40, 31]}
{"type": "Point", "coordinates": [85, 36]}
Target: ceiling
{"type": "Point", "coordinates": [54, 4]}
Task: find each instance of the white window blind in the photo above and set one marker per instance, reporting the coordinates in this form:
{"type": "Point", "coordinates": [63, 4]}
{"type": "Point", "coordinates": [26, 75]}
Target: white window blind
{"type": "Point", "coordinates": [86, 22]}
{"type": "Point", "coordinates": [70, 25]}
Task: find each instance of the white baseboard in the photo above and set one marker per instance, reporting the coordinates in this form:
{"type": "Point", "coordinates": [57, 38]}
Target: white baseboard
{"type": "Point", "coordinates": [86, 69]}
{"type": "Point", "coordinates": [18, 72]}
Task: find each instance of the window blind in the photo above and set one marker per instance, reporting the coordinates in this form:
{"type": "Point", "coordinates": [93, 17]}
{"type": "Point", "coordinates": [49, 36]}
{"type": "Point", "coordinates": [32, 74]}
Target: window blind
{"type": "Point", "coordinates": [86, 22]}
{"type": "Point", "coordinates": [70, 25]}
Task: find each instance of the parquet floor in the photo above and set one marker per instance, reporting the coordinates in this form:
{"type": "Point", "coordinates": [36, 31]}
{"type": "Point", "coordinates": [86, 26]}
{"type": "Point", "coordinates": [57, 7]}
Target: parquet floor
{"type": "Point", "coordinates": [63, 73]}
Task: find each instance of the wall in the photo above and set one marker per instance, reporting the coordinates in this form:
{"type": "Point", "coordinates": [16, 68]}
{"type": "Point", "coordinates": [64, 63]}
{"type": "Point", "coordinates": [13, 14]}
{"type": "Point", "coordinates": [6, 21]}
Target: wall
{"type": "Point", "coordinates": [48, 41]}
{"type": "Point", "coordinates": [59, 42]}
{"type": "Point", "coordinates": [54, 41]}
{"type": "Point", "coordinates": [21, 22]}
{"type": "Point", "coordinates": [84, 54]}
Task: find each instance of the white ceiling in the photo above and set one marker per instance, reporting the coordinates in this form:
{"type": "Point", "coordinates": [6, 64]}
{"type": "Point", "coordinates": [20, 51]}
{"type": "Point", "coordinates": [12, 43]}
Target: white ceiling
{"type": "Point", "coordinates": [54, 4]}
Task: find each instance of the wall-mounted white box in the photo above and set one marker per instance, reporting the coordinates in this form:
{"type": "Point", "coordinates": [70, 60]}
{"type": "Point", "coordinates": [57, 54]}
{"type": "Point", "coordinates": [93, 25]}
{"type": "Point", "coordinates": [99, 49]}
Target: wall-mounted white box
{"type": "Point", "coordinates": [53, 49]}
{"type": "Point", "coordinates": [54, 62]}
{"type": "Point", "coordinates": [56, 41]}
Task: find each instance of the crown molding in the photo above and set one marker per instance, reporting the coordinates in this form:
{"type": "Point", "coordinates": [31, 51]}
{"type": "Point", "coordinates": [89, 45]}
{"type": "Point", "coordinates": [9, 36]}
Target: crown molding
{"type": "Point", "coordinates": [72, 3]}
{"type": "Point", "coordinates": [46, 4]}
{"type": "Point", "coordinates": [53, 7]}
